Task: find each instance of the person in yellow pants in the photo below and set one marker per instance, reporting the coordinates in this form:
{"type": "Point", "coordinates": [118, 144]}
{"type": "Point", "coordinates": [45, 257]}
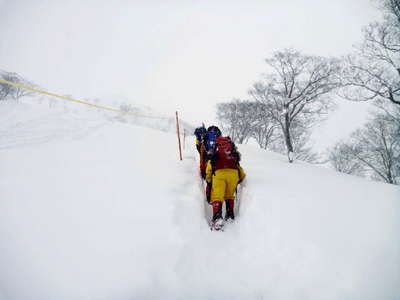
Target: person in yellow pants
{"type": "Point", "coordinates": [224, 182]}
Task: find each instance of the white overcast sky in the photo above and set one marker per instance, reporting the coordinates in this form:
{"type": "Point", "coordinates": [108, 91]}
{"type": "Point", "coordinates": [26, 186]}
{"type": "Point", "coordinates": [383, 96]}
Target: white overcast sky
{"type": "Point", "coordinates": [174, 55]}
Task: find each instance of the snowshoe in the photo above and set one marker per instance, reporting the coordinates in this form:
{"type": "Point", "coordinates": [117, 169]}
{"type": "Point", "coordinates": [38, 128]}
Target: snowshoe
{"type": "Point", "coordinates": [218, 225]}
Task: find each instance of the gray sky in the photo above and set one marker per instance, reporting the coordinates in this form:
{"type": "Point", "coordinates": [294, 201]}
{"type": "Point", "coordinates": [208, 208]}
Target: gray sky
{"type": "Point", "coordinates": [173, 55]}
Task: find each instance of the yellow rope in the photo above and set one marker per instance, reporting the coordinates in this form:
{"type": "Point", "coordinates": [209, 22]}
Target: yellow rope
{"type": "Point", "coordinates": [21, 86]}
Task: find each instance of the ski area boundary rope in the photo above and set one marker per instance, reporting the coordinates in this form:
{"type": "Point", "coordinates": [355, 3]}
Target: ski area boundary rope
{"type": "Point", "coordinates": [21, 86]}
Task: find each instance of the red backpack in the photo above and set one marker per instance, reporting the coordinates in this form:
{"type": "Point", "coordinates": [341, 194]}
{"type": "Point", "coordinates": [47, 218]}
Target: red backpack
{"type": "Point", "coordinates": [225, 156]}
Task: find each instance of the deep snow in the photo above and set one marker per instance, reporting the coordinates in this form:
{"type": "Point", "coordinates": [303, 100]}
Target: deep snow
{"type": "Point", "coordinates": [92, 208]}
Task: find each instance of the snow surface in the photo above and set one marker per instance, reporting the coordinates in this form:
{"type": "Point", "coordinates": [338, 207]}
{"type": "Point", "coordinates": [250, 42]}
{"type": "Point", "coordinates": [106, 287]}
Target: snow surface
{"type": "Point", "coordinates": [93, 208]}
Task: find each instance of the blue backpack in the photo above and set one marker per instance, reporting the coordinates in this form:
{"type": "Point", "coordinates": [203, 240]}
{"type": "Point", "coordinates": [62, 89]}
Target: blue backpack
{"type": "Point", "coordinates": [212, 135]}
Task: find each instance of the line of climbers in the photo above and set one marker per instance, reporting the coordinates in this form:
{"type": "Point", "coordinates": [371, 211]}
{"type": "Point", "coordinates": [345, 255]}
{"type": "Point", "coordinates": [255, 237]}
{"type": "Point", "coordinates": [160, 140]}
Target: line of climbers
{"type": "Point", "coordinates": [220, 168]}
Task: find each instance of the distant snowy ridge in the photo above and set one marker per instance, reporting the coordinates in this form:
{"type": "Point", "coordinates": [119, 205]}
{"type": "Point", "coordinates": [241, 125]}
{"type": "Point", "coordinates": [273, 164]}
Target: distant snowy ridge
{"type": "Point", "coordinates": [40, 111]}
{"type": "Point", "coordinates": [146, 116]}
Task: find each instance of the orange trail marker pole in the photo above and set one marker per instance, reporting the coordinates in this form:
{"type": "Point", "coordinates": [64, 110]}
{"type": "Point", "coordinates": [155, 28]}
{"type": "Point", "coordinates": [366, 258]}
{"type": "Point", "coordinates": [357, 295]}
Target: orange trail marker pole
{"type": "Point", "coordinates": [179, 138]}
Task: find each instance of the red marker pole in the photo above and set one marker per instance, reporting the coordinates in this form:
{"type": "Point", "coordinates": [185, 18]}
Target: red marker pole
{"type": "Point", "coordinates": [179, 138]}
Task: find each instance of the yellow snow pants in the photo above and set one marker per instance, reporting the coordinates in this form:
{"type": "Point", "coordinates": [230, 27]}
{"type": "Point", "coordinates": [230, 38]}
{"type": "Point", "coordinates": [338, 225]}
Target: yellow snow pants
{"type": "Point", "coordinates": [224, 184]}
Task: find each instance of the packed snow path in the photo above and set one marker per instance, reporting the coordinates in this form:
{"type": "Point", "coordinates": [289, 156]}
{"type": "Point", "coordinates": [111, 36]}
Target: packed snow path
{"type": "Point", "coordinates": [92, 208]}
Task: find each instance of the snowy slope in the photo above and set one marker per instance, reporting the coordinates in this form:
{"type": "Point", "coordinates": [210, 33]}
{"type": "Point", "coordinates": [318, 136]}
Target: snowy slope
{"type": "Point", "coordinates": [92, 208]}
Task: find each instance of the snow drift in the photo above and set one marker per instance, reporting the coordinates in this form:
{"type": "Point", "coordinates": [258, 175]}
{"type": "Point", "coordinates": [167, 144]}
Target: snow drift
{"type": "Point", "coordinates": [92, 208]}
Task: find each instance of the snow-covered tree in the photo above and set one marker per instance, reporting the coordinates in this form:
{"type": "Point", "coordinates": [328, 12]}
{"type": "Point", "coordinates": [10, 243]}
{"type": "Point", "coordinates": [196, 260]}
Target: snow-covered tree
{"type": "Point", "coordinates": [237, 118]}
{"type": "Point", "coordinates": [295, 91]}
{"type": "Point", "coordinates": [12, 92]}
{"type": "Point", "coordinates": [265, 129]}
{"type": "Point", "coordinates": [376, 147]}
{"type": "Point", "coordinates": [373, 71]}
{"type": "Point", "coordinates": [342, 159]}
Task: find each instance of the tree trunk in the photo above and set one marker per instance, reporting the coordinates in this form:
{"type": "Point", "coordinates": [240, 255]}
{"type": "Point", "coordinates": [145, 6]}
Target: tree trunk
{"type": "Point", "coordinates": [390, 178]}
{"type": "Point", "coordinates": [288, 140]}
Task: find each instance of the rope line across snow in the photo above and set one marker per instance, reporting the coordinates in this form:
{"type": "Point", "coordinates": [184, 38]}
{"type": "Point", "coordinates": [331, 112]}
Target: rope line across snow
{"type": "Point", "coordinates": [21, 86]}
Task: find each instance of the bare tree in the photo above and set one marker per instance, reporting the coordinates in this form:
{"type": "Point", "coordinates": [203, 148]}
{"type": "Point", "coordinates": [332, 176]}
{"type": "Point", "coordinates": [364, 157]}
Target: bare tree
{"type": "Point", "coordinates": [6, 90]}
{"type": "Point", "coordinates": [10, 91]}
{"type": "Point", "coordinates": [20, 92]}
{"type": "Point", "coordinates": [265, 129]}
{"type": "Point", "coordinates": [238, 118]}
{"type": "Point", "coordinates": [391, 115]}
{"type": "Point", "coordinates": [373, 71]}
{"type": "Point", "coordinates": [243, 119]}
{"type": "Point", "coordinates": [303, 151]}
{"type": "Point", "coordinates": [342, 159]}
{"type": "Point", "coordinates": [296, 90]}
{"type": "Point", "coordinates": [392, 10]}
{"type": "Point", "coordinates": [376, 147]}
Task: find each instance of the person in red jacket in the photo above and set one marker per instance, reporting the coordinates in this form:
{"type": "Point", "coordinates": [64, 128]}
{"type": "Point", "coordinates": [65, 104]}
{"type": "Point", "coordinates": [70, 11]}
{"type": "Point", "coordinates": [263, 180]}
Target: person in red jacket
{"type": "Point", "coordinates": [223, 174]}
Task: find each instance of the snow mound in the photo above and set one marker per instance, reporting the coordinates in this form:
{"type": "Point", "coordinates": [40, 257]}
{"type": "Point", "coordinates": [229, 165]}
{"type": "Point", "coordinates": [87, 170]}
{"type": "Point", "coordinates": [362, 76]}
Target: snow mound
{"type": "Point", "coordinates": [92, 208]}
